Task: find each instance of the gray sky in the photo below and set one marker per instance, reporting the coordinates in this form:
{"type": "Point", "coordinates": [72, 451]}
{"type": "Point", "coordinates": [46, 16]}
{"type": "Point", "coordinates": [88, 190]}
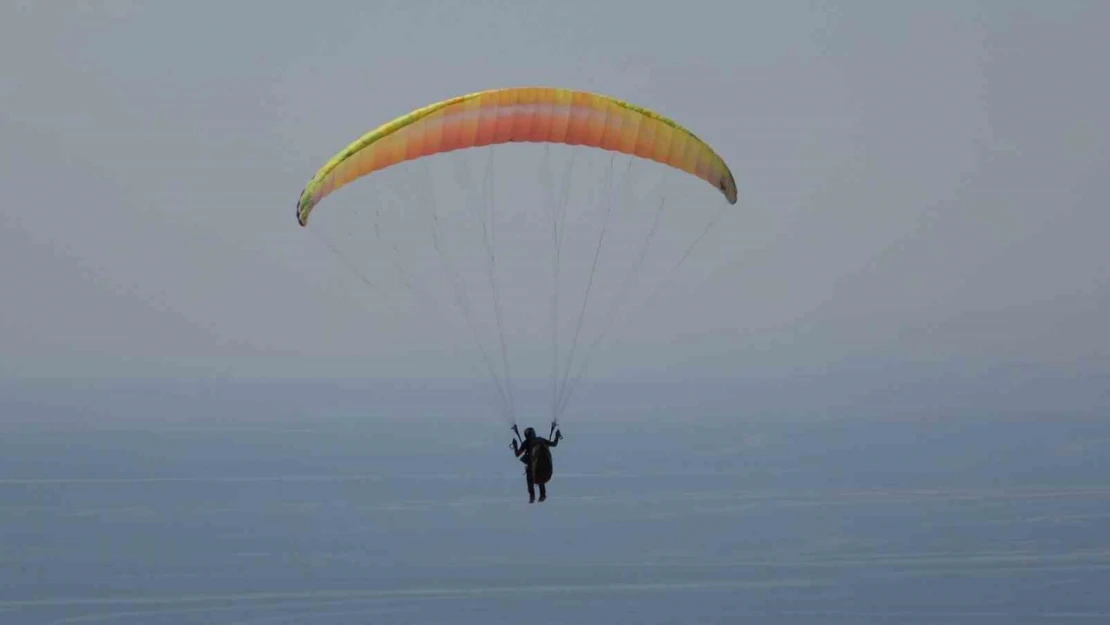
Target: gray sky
{"type": "Point", "coordinates": [920, 183]}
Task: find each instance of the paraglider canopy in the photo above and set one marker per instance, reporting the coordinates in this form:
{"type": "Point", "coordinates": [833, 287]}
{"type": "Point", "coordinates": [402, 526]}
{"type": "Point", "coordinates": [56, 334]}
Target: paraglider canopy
{"type": "Point", "coordinates": [520, 114]}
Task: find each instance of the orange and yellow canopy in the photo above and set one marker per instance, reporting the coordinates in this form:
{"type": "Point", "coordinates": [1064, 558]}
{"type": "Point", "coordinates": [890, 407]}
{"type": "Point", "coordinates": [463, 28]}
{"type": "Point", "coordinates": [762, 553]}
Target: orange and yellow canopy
{"type": "Point", "coordinates": [520, 114]}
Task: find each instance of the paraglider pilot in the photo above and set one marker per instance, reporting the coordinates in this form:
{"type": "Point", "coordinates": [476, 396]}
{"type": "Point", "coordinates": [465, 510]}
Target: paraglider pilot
{"type": "Point", "coordinates": [534, 452]}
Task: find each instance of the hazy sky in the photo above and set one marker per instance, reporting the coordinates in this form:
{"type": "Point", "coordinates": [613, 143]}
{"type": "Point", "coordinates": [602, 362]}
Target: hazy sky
{"type": "Point", "coordinates": [919, 182]}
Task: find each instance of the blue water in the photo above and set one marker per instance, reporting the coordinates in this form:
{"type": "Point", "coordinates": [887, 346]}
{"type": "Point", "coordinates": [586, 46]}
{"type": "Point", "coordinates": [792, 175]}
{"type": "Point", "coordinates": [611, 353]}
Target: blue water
{"type": "Point", "coordinates": [330, 521]}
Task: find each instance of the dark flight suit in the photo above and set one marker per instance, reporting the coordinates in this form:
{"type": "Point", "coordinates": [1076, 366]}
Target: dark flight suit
{"type": "Point", "coordinates": [525, 454]}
